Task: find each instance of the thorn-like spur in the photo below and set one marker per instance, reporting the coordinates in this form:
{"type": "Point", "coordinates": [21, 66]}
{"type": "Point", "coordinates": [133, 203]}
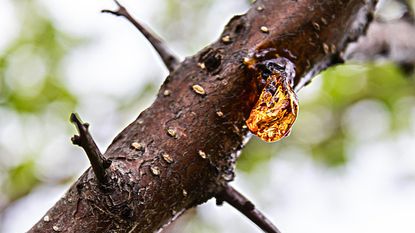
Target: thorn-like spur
{"type": "Point", "coordinates": [84, 139]}
{"type": "Point", "coordinates": [166, 55]}
{"type": "Point", "coordinates": [246, 207]}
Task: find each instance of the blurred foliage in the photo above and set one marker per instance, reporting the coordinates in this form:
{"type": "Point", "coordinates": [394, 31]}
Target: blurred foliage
{"type": "Point", "coordinates": [148, 89]}
{"type": "Point", "coordinates": [342, 86]}
{"type": "Point", "coordinates": [30, 78]}
{"type": "Point", "coordinates": [21, 179]}
{"type": "Point", "coordinates": [178, 13]}
{"type": "Point", "coordinates": [31, 81]}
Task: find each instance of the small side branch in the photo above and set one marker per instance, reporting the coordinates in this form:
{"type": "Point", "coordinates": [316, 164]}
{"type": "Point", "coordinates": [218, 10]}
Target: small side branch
{"type": "Point", "coordinates": [166, 55]}
{"type": "Point", "coordinates": [84, 139]}
{"type": "Point", "coordinates": [247, 208]}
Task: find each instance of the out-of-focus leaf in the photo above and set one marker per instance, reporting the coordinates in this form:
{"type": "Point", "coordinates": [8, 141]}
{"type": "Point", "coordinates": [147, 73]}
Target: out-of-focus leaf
{"type": "Point", "coordinates": [255, 153]}
{"type": "Point", "coordinates": [33, 87]}
{"type": "Point", "coordinates": [50, 92]}
{"type": "Point", "coordinates": [148, 90]}
{"type": "Point", "coordinates": [39, 38]}
{"type": "Point", "coordinates": [331, 152]}
{"type": "Point", "coordinates": [21, 179]}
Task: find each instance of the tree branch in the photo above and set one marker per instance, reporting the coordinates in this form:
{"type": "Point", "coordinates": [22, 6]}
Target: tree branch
{"type": "Point", "coordinates": [182, 150]}
{"type": "Point", "coordinates": [84, 139]}
{"type": "Point", "coordinates": [246, 207]}
{"type": "Point", "coordinates": [168, 58]}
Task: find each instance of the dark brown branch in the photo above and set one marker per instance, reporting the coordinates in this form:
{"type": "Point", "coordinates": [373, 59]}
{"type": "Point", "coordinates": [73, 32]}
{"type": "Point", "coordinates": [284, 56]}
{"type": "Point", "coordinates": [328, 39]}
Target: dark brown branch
{"type": "Point", "coordinates": [84, 139]}
{"type": "Point", "coordinates": [166, 55]}
{"type": "Point", "coordinates": [247, 208]}
{"type": "Point", "coordinates": [182, 150]}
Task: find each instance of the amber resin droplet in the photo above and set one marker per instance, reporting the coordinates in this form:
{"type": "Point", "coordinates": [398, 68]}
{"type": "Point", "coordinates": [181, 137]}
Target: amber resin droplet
{"type": "Point", "coordinates": [275, 112]}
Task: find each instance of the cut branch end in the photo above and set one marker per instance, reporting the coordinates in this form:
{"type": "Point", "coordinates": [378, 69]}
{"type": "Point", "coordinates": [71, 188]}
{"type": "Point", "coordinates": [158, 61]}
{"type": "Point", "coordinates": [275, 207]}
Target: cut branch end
{"type": "Point", "coordinates": [84, 139]}
{"type": "Point", "coordinates": [121, 11]}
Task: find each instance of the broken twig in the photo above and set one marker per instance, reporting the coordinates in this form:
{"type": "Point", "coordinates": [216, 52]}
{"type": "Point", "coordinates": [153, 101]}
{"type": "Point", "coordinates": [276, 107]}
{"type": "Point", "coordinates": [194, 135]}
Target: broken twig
{"type": "Point", "coordinates": [84, 139]}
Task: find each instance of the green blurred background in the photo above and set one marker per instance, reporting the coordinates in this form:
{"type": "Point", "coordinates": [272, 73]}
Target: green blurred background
{"type": "Point", "coordinates": [351, 151]}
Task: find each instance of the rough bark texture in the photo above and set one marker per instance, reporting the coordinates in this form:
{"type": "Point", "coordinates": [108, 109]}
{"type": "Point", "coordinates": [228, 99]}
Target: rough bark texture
{"type": "Point", "coordinates": [189, 140]}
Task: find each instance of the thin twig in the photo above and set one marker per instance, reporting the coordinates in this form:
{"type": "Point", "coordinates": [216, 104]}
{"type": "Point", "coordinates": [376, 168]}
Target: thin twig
{"type": "Point", "coordinates": [84, 139]}
{"type": "Point", "coordinates": [166, 55]}
{"type": "Point", "coordinates": [247, 208]}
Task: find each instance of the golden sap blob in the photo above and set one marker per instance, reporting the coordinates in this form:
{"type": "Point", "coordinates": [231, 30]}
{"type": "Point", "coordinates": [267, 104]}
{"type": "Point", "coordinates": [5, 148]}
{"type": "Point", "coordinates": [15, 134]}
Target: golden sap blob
{"type": "Point", "coordinates": [275, 112]}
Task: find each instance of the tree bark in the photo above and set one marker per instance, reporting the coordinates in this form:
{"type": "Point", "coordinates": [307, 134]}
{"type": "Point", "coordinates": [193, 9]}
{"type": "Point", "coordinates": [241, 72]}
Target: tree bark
{"type": "Point", "coordinates": [182, 150]}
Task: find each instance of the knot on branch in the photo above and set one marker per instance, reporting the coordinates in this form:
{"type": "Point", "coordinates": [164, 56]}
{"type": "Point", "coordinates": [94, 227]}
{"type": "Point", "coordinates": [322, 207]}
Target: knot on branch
{"type": "Point", "coordinates": [211, 60]}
